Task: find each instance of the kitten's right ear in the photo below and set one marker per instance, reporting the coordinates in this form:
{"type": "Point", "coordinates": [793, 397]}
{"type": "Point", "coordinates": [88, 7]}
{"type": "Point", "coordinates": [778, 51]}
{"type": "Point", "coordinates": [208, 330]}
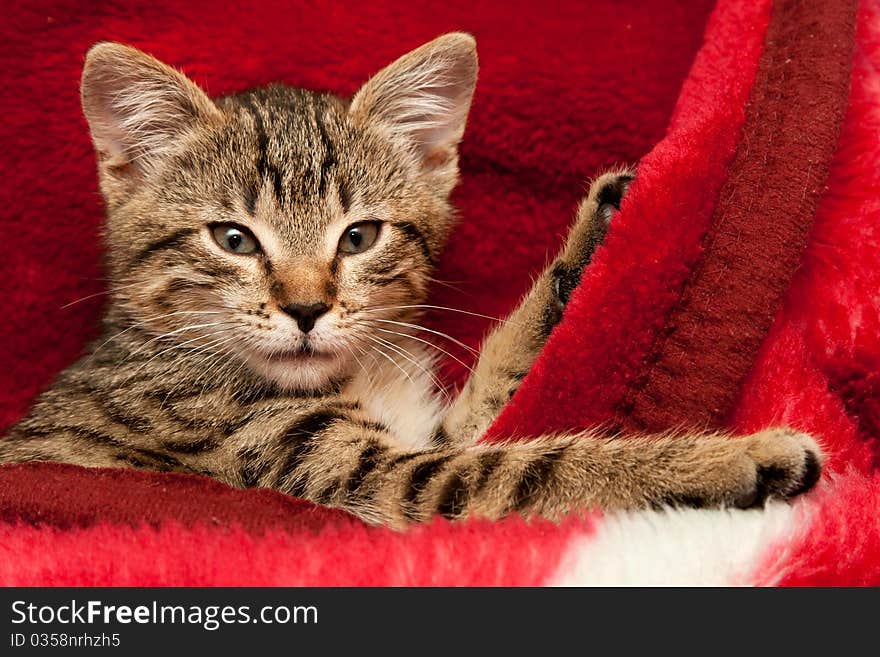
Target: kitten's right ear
{"type": "Point", "coordinates": [137, 107]}
{"type": "Point", "coordinates": [423, 99]}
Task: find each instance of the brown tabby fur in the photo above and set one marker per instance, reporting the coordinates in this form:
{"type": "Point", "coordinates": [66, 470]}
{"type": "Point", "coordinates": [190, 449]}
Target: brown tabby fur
{"type": "Point", "coordinates": [200, 370]}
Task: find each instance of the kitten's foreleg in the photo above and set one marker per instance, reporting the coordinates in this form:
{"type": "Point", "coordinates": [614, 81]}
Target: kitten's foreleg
{"type": "Point", "coordinates": [357, 468]}
{"type": "Point", "coordinates": [86, 447]}
{"type": "Point", "coordinates": [511, 348]}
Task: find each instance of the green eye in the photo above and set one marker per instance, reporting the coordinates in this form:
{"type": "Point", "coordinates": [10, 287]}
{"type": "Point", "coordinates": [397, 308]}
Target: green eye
{"type": "Point", "coordinates": [359, 237]}
{"type": "Point", "coordinates": [235, 239]}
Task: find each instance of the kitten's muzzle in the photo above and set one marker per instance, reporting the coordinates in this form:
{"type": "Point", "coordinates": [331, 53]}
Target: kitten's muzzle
{"type": "Point", "coordinates": [305, 314]}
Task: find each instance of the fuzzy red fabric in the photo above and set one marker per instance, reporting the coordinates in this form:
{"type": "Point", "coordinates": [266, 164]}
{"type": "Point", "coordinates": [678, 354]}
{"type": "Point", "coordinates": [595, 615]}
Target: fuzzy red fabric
{"type": "Point", "coordinates": [730, 300]}
{"type": "Point", "coordinates": [734, 135]}
{"type": "Point", "coordinates": [546, 117]}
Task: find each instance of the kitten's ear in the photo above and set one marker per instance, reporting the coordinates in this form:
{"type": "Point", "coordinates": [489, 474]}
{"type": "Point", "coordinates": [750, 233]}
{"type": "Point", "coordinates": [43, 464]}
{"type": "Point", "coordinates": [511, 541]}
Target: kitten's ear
{"type": "Point", "coordinates": [137, 107]}
{"type": "Point", "coordinates": [424, 97]}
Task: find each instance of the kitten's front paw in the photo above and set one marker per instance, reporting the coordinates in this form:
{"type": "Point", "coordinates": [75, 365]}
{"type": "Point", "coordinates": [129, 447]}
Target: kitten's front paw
{"type": "Point", "coordinates": [606, 194]}
{"type": "Point", "coordinates": [745, 472]}
{"type": "Point", "coordinates": [593, 217]}
{"type": "Point", "coordinates": [786, 463]}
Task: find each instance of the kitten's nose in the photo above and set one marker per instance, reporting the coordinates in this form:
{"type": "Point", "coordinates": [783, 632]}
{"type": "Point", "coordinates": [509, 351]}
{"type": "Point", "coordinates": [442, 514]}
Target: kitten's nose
{"type": "Point", "coordinates": [305, 314]}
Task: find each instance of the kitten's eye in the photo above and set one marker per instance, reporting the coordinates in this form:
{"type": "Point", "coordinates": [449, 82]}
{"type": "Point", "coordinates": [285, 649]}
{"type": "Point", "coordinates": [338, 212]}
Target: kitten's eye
{"type": "Point", "coordinates": [235, 239]}
{"type": "Point", "coordinates": [359, 237]}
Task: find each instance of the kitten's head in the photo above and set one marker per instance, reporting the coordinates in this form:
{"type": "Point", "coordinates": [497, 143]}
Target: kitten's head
{"type": "Point", "coordinates": [276, 226]}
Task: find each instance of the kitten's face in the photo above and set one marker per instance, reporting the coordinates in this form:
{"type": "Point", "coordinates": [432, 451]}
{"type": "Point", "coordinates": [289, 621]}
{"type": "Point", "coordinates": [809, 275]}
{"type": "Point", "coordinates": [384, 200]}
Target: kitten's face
{"type": "Point", "coordinates": [281, 228]}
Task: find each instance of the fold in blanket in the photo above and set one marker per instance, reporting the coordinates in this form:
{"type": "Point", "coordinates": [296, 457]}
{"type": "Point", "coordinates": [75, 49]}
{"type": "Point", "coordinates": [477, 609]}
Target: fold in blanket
{"type": "Point", "coordinates": [736, 289]}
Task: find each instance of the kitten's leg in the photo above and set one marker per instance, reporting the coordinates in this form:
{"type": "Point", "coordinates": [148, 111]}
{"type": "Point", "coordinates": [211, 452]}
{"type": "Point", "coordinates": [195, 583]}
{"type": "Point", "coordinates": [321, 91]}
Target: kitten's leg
{"type": "Point", "coordinates": [87, 447]}
{"type": "Point", "coordinates": [348, 464]}
{"type": "Point", "coordinates": [509, 350]}
{"type": "Point", "coordinates": [334, 455]}
{"type": "Point", "coordinates": [623, 472]}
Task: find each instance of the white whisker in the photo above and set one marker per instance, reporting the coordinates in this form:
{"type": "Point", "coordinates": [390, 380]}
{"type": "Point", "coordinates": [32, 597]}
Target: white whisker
{"type": "Point", "coordinates": [430, 344]}
{"type": "Point", "coordinates": [430, 307]}
{"type": "Point", "coordinates": [98, 294]}
{"type": "Point", "coordinates": [423, 328]}
{"type": "Point", "coordinates": [146, 321]}
{"type": "Point", "coordinates": [390, 359]}
{"type": "Point", "coordinates": [180, 346]}
{"type": "Point", "coordinates": [182, 329]}
{"type": "Point", "coordinates": [408, 355]}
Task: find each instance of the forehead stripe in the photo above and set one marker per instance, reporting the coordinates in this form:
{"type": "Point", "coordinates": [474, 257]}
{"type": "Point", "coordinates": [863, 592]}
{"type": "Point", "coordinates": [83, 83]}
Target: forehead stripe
{"type": "Point", "coordinates": [264, 168]}
{"type": "Point", "coordinates": [329, 161]}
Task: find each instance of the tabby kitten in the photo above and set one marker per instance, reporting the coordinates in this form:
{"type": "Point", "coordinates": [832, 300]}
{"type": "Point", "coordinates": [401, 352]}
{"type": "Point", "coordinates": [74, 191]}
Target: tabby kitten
{"type": "Point", "coordinates": [269, 253]}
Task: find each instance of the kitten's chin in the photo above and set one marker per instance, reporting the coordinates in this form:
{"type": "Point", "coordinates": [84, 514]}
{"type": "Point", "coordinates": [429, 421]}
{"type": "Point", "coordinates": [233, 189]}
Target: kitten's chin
{"type": "Point", "coordinates": [300, 372]}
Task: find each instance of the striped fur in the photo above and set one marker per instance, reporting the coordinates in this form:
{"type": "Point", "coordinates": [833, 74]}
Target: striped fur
{"type": "Point", "coordinates": [201, 370]}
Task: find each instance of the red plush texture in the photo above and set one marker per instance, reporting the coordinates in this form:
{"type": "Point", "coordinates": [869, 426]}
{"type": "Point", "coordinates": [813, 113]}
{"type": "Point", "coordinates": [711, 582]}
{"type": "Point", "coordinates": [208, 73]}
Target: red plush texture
{"type": "Point", "coordinates": [619, 309]}
{"type": "Point", "coordinates": [841, 543]}
{"type": "Point", "coordinates": [562, 93]}
{"type": "Point", "coordinates": [109, 528]}
{"type": "Point", "coordinates": [819, 367]}
{"type": "Point", "coordinates": [545, 118]}
{"type": "Point", "coordinates": [730, 300]}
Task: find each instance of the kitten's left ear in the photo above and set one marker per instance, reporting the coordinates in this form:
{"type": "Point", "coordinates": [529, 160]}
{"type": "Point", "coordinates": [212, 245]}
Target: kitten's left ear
{"type": "Point", "coordinates": [424, 98]}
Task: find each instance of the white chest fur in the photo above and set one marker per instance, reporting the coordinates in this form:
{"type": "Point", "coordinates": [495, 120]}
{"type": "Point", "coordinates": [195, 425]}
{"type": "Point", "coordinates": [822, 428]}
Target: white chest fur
{"type": "Point", "coordinates": [400, 394]}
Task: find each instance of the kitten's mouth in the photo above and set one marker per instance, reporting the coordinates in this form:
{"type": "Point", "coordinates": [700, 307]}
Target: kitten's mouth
{"type": "Point", "coordinates": [297, 365]}
{"type": "Point", "coordinates": [299, 354]}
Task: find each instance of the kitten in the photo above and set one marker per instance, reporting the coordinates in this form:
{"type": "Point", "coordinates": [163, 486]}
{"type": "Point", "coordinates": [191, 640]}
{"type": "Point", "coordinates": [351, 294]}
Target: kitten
{"type": "Point", "coordinates": [269, 253]}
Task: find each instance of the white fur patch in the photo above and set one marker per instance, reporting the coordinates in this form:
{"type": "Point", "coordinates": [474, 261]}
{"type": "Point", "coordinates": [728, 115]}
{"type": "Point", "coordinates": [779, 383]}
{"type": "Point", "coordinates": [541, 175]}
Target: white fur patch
{"type": "Point", "coordinates": [680, 547]}
{"type": "Point", "coordinates": [400, 395]}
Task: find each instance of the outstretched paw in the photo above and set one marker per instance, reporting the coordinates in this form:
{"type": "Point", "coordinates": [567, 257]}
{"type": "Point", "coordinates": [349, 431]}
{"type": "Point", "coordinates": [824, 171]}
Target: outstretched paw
{"type": "Point", "coordinates": [787, 463]}
{"type": "Point", "coordinates": [745, 472]}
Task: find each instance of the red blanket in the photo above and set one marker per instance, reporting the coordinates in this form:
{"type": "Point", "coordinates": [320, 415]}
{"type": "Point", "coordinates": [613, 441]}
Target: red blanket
{"type": "Point", "coordinates": [737, 288]}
